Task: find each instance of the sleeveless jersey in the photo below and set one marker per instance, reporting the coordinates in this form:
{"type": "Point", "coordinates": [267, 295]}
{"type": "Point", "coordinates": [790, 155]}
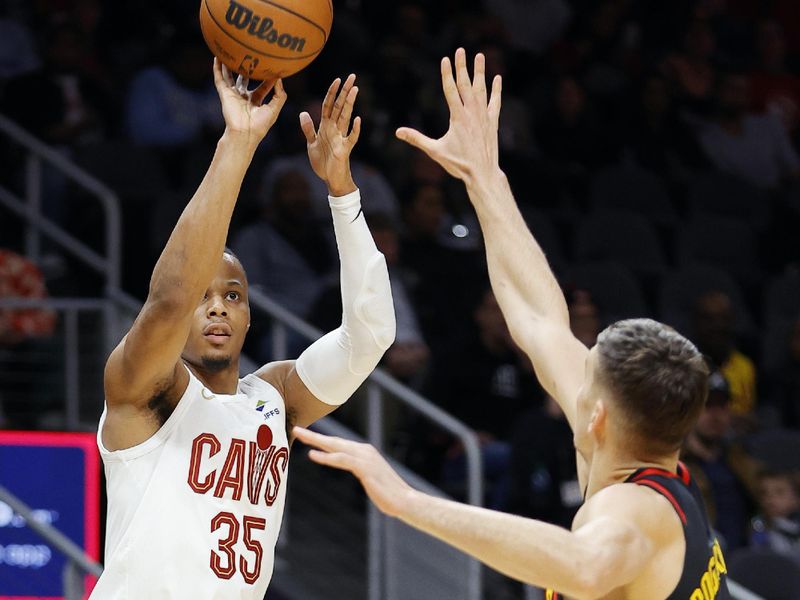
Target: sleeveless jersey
{"type": "Point", "coordinates": [704, 575]}
{"type": "Point", "coordinates": [195, 511]}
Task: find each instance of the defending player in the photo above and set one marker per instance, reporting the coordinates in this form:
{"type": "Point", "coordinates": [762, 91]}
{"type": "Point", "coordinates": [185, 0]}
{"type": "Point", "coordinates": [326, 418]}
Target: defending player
{"type": "Point", "coordinates": [642, 532]}
{"type": "Point", "coordinates": [195, 457]}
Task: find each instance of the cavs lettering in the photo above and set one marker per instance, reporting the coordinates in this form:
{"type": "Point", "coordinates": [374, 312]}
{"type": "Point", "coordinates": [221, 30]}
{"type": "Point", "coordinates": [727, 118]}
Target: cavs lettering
{"type": "Point", "coordinates": [246, 471]}
{"type": "Point", "coordinates": [709, 583]}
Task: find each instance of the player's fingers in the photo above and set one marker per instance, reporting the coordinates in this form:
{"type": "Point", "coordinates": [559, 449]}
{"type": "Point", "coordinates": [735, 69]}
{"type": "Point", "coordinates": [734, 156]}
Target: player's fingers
{"type": "Point", "coordinates": [241, 85]}
{"type": "Point", "coordinates": [261, 91]}
{"type": "Point", "coordinates": [344, 119]}
{"type": "Point", "coordinates": [227, 77]}
{"type": "Point", "coordinates": [323, 442]}
{"type": "Point", "coordinates": [279, 96]}
{"type": "Point", "coordinates": [449, 86]}
{"type": "Point", "coordinates": [496, 100]}
{"type": "Point", "coordinates": [416, 139]}
{"type": "Point", "coordinates": [479, 79]}
{"type": "Point", "coordinates": [330, 96]}
{"type": "Point", "coordinates": [218, 78]}
{"type": "Point", "coordinates": [462, 76]}
{"type": "Point", "coordinates": [341, 100]}
{"type": "Point", "coordinates": [355, 133]}
{"type": "Point", "coordinates": [307, 126]}
{"type": "Point", "coordinates": [337, 460]}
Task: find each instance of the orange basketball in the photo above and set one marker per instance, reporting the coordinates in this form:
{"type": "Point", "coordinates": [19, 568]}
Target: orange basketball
{"type": "Point", "coordinates": [264, 39]}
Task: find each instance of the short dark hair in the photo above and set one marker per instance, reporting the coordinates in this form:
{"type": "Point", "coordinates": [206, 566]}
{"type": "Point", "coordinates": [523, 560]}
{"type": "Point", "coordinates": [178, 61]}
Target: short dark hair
{"type": "Point", "coordinates": [657, 377]}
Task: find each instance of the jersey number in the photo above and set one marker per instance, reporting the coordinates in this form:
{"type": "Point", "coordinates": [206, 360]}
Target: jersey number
{"type": "Point", "coordinates": [224, 563]}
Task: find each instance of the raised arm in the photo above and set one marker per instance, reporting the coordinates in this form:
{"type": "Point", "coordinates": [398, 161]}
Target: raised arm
{"type": "Point", "coordinates": [333, 367]}
{"type": "Point", "coordinates": [523, 283]}
{"type": "Point", "coordinates": [147, 360]}
{"type": "Point", "coordinates": [606, 551]}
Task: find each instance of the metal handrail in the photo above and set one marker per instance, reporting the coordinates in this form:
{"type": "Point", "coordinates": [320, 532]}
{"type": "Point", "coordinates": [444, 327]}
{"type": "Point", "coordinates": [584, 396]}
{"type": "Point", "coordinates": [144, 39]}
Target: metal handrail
{"type": "Point", "coordinates": [108, 199]}
{"type": "Point", "coordinates": [403, 393]}
{"type": "Point", "coordinates": [59, 541]}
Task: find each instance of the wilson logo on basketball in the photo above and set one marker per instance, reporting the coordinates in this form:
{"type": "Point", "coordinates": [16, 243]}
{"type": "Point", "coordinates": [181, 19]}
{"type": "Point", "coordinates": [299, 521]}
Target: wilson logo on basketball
{"type": "Point", "coordinates": [262, 28]}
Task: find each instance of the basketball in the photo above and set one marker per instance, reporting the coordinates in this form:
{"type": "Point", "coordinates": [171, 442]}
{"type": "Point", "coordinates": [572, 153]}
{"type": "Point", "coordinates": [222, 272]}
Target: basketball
{"type": "Point", "coordinates": [265, 39]}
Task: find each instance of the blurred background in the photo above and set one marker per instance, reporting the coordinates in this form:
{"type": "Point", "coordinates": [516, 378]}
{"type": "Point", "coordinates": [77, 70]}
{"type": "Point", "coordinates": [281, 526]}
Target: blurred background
{"type": "Point", "coordinates": [652, 148]}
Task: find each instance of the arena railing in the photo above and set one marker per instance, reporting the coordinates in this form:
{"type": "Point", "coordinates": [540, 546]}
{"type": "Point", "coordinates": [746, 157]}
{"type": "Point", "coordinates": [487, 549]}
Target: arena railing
{"type": "Point", "coordinates": [31, 208]}
{"type": "Point", "coordinates": [116, 300]}
{"type": "Point", "coordinates": [77, 562]}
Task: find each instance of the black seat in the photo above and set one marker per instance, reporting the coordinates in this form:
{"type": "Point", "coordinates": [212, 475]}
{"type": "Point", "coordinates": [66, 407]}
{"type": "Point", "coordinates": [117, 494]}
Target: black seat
{"type": "Point", "coordinates": [726, 243]}
{"type": "Point", "coordinates": [725, 195]}
{"type": "Point", "coordinates": [624, 238]}
{"type": "Point", "coordinates": [680, 290]}
{"type": "Point", "coordinates": [782, 296]}
{"type": "Point", "coordinates": [770, 575]}
{"type": "Point", "coordinates": [634, 190]}
{"type": "Point", "coordinates": [613, 288]}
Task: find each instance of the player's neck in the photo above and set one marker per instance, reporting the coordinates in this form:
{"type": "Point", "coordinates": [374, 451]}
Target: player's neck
{"type": "Point", "coordinates": [614, 465]}
{"type": "Point", "coordinates": [225, 381]}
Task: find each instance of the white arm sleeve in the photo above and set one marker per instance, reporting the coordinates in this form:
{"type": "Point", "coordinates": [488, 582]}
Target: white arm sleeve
{"type": "Point", "coordinates": [335, 365]}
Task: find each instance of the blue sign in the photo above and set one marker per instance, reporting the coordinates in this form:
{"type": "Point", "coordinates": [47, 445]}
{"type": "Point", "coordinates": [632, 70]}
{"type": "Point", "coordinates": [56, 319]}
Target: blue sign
{"type": "Point", "coordinates": [57, 475]}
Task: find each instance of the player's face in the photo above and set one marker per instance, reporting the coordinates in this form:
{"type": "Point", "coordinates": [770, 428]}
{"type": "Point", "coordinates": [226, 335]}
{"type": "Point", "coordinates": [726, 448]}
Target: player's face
{"type": "Point", "coordinates": [220, 320]}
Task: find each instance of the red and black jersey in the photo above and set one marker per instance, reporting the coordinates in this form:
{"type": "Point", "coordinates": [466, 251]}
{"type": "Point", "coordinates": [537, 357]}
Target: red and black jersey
{"type": "Point", "coordinates": [704, 575]}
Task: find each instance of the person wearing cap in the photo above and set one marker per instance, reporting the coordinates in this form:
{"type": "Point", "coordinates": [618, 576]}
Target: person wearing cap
{"type": "Point", "coordinates": [719, 465]}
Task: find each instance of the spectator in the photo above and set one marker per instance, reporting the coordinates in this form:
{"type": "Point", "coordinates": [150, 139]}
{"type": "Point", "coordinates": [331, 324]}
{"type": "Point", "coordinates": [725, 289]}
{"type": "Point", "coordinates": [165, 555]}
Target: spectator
{"type": "Point", "coordinates": [532, 26]}
{"type": "Point", "coordinates": [584, 316]}
{"type": "Point", "coordinates": [18, 55]}
{"type": "Point", "coordinates": [543, 473]}
{"type": "Point", "coordinates": [22, 331]}
{"type": "Point", "coordinates": [408, 357]}
{"type": "Point", "coordinates": [571, 136]}
{"type": "Point", "coordinates": [175, 104]}
{"type": "Point", "coordinates": [691, 70]}
{"type": "Point", "coordinates": [658, 138]}
{"type": "Point", "coordinates": [715, 337]}
{"type": "Point", "coordinates": [784, 384]}
{"type": "Point", "coordinates": [719, 466]}
{"type": "Point", "coordinates": [755, 147]}
{"type": "Point", "coordinates": [285, 253]}
{"type": "Point", "coordinates": [380, 198]}
{"type": "Point", "coordinates": [485, 382]}
{"type": "Point", "coordinates": [775, 88]}
{"type": "Point", "coordinates": [777, 524]}
{"type": "Point", "coordinates": [59, 103]}
{"type": "Point", "coordinates": [438, 269]}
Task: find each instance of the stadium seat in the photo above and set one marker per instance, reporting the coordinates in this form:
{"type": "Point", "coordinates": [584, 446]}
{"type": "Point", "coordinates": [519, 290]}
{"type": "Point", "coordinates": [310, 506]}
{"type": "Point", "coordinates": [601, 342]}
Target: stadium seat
{"type": "Point", "coordinates": [778, 449]}
{"type": "Point", "coordinates": [726, 243]}
{"type": "Point", "coordinates": [681, 288]}
{"type": "Point", "coordinates": [782, 296]}
{"type": "Point", "coordinates": [769, 574]}
{"type": "Point", "coordinates": [723, 194]}
{"type": "Point", "coordinates": [634, 190]}
{"type": "Point", "coordinates": [133, 172]}
{"type": "Point", "coordinates": [613, 288]}
{"type": "Point", "coordinates": [621, 237]}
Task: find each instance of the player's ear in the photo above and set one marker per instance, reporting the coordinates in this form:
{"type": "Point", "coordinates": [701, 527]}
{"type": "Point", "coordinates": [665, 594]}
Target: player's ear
{"type": "Point", "coordinates": [599, 418]}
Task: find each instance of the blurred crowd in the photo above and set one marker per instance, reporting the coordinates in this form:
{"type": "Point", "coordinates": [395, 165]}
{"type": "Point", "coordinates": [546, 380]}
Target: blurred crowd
{"type": "Point", "coordinates": [652, 148]}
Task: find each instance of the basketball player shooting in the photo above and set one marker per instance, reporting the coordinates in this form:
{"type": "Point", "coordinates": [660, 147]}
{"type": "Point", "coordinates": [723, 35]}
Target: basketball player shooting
{"type": "Point", "coordinates": [195, 457]}
{"type": "Point", "coordinates": [642, 531]}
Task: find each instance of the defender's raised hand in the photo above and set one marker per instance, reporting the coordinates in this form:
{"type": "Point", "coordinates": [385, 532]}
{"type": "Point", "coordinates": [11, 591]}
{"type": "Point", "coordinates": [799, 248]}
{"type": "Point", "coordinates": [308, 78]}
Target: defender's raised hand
{"type": "Point", "coordinates": [382, 483]}
{"type": "Point", "coordinates": [243, 109]}
{"type": "Point", "coordinates": [329, 147]}
{"type": "Point", "coordinates": [470, 144]}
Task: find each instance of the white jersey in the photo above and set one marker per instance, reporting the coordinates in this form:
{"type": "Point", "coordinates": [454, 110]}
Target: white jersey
{"type": "Point", "coordinates": [194, 512]}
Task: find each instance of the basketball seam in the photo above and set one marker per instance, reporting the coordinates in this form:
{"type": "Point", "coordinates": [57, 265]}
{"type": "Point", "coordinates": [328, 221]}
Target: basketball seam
{"type": "Point", "coordinates": [238, 41]}
{"type": "Point", "coordinates": [298, 15]}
